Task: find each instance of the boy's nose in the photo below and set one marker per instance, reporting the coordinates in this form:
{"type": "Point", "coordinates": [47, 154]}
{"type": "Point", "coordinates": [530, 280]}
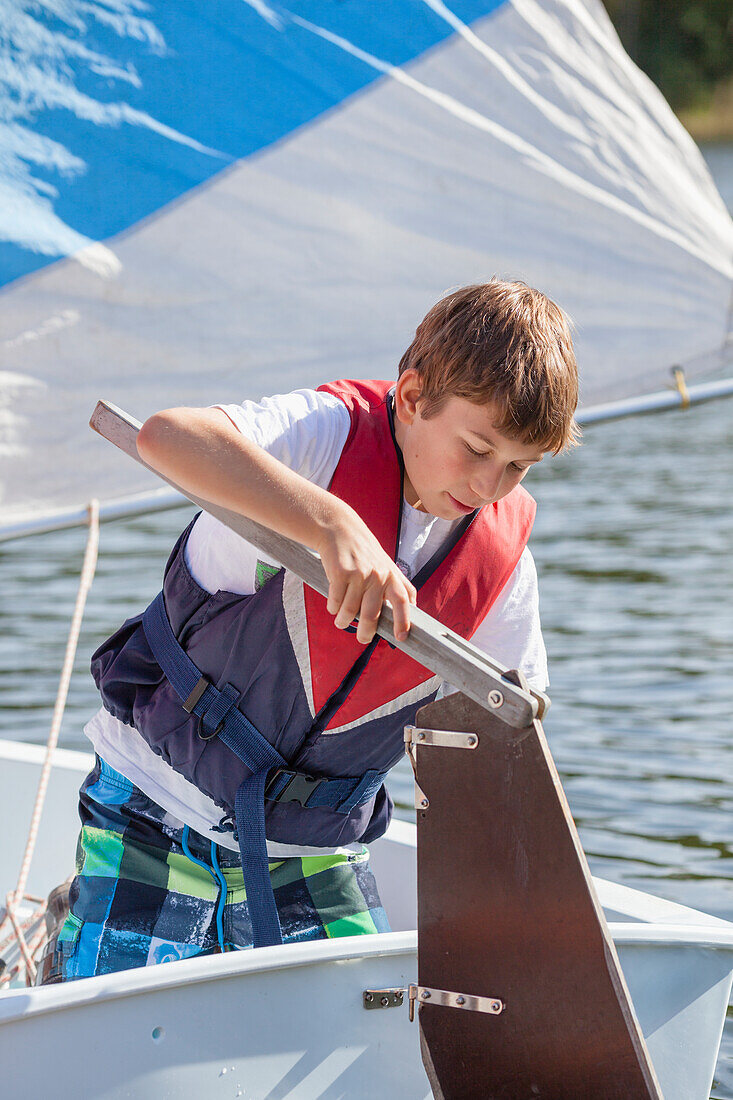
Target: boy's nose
{"type": "Point", "coordinates": [486, 485]}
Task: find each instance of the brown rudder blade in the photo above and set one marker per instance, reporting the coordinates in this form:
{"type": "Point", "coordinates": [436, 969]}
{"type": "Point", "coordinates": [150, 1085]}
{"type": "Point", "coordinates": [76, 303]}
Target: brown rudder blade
{"type": "Point", "coordinates": [507, 910]}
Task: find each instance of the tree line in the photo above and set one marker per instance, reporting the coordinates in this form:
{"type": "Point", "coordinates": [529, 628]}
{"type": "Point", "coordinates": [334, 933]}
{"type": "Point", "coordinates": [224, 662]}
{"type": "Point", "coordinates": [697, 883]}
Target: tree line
{"type": "Point", "coordinates": [685, 46]}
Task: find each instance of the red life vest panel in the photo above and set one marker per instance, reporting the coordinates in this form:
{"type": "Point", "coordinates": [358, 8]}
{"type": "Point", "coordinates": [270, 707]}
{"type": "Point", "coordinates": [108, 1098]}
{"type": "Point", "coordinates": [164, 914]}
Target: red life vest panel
{"type": "Point", "coordinates": [460, 592]}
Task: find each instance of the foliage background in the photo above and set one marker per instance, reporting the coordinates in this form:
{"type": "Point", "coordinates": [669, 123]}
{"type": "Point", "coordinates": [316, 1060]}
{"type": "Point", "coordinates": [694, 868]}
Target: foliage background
{"type": "Point", "coordinates": [686, 47]}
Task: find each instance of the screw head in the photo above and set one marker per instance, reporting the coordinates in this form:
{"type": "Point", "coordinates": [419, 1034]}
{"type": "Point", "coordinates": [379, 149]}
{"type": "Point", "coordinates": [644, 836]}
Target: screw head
{"type": "Point", "coordinates": [425, 994]}
{"type": "Point", "coordinates": [496, 698]}
{"type": "Point", "coordinates": [460, 1000]}
{"type": "Point", "coordinates": [421, 736]}
{"type": "Point", "coordinates": [424, 802]}
{"type": "Point", "coordinates": [368, 996]}
{"type": "Point", "coordinates": [496, 1006]}
{"type": "Point", "coordinates": [384, 1002]}
{"type": "Point", "coordinates": [473, 740]}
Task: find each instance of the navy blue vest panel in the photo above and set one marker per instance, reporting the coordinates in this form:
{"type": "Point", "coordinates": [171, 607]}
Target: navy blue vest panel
{"type": "Point", "coordinates": [244, 641]}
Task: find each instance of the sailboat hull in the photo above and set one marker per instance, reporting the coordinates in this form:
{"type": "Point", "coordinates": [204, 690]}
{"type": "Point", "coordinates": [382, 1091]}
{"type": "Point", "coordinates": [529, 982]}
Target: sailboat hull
{"type": "Point", "coordinates": [290, 1021]}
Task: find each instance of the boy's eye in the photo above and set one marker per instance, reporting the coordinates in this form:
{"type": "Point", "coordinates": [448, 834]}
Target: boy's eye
{"type": "Point", "coordinates": [482, 454]}
{"type": "Point", "coordinates": [478, 454]}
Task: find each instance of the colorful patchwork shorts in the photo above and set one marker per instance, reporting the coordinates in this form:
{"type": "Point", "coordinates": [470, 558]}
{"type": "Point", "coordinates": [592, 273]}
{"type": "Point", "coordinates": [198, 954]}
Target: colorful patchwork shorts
{"type": "Point", "coordinates": [149, 890]}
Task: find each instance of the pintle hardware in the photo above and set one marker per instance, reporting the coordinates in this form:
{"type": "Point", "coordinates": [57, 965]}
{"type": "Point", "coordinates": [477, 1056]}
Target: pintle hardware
{"type": "Point", "coordinates": [494, 1006]}
{"type": "Point", "coordinates": [445, 739]}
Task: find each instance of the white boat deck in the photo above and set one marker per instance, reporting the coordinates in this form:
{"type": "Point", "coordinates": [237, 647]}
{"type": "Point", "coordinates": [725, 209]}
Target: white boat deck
{"type": "Point", "coordinates": [289, 1021]}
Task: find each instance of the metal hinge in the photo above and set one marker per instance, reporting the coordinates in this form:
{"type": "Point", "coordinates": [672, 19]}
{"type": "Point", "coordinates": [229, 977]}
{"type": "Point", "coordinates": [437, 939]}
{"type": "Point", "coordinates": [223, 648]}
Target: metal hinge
{"type": "Point", "coordinates": [384, 998]}
{"type": "Point", "coordinates": [445, 739]}
{"type": "Point", "coordinates": [492, 1005]}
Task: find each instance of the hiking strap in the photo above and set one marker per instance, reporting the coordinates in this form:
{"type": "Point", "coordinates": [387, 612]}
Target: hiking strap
{"type": "Point", "coordinates": [219, 715]}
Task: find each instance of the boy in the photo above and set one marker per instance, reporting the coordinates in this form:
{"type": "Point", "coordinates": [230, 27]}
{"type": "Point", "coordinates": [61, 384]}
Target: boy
{"type": "Point", "coordinates": [237, 723]}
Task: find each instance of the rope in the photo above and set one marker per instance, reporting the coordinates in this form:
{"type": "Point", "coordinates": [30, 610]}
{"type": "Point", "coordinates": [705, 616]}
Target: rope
{"type": "Point", "coordinates": [20, 937]}
{"type": "Point", "coordinates": [28, 922]}
{"type": "Point", "coordinates": [85, 582]}
{"type": "Point", "coordinates": [34, 927]}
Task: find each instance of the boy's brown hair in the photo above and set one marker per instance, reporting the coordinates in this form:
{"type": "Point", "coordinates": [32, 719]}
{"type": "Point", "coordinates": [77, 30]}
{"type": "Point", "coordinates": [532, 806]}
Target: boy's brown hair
{"type": "Point", "coordinates": [503, 343]}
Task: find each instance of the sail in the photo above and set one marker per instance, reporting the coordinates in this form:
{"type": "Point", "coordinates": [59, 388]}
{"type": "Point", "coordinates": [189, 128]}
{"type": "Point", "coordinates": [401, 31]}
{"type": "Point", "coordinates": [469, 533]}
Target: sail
{"type": "Point", "coordinates": [203, 203]}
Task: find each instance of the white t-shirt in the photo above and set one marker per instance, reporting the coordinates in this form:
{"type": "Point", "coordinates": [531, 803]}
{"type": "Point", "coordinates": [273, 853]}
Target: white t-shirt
{"type": "Point", "coordinates": [306, 431]}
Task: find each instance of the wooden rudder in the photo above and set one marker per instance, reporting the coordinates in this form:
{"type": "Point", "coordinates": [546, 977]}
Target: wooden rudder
{"type": "Point", "coordinates": [507, 911]}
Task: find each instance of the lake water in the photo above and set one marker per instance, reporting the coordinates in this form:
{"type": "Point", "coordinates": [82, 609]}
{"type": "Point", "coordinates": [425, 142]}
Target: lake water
{"type": "Point", "coordinates": [633, 546]}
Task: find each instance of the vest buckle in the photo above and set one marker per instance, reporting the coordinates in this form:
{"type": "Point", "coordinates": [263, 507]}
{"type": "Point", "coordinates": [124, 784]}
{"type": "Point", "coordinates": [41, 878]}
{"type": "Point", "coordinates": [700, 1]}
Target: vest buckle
{"type": "Point", "coordinates": [298, 788]}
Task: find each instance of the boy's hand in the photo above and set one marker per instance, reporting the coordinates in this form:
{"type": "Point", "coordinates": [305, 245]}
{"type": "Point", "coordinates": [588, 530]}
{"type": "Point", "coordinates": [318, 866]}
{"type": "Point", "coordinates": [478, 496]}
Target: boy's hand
{"type": "Point", "coordinates": [361, 577]}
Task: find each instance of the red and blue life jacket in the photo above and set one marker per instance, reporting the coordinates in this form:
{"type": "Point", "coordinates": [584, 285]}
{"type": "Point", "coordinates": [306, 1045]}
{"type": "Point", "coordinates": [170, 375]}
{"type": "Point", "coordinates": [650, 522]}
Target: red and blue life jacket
{"type": "Point", "coordinates": [286, 722]}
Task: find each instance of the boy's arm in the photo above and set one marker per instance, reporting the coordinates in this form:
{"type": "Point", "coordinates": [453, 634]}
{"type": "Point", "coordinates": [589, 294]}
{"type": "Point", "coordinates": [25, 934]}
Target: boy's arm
{"type": "Point", "coordinates": [202, 451]}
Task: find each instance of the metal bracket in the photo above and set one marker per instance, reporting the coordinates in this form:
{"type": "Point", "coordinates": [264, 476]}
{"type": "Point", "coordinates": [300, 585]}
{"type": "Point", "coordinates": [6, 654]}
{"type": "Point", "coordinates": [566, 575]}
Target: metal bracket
{"type": "Point", "coordinates": [384, 998]}
{"type": "Point", "coordinates": [415, 736]}
{"type": "Point", "coordinates": [680, 384]}
{"type": "Point", "coordinates": [491, 1005]}
{"type": "Point", "coordinates": [421, 799]}
{"type": "Point", "coordinates": [444, 739]}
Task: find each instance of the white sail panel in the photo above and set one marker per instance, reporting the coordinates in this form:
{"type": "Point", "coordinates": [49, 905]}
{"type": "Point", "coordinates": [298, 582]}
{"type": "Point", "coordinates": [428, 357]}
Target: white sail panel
{"type": "Point", "coordinates": [522, 143]}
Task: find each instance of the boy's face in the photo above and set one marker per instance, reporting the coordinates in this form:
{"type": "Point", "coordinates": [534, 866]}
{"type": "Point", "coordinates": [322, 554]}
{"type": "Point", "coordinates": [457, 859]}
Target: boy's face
{"type": "Point", "coordinates": [456, 460]}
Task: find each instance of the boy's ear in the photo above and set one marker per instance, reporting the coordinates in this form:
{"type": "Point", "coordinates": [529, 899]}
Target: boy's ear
{"type": "Point", "coordinates": [408, 392]}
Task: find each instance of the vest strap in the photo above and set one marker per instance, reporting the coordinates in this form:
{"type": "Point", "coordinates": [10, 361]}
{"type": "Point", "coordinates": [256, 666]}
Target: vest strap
{"type": "Point", "coordinates": [249, 810]}
{"type": "Point", "coordinates": [341, 794]}
{"type": "Point", "coordinates": [219, 715]}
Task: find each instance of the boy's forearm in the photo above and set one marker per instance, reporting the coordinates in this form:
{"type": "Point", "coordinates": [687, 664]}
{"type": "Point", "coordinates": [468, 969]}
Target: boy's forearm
{"type": "Point", "coordinates": [202, 451]}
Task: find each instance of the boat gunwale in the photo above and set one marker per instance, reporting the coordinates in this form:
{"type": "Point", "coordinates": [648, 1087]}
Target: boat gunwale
{"type": "Point", "coordinates": [25, 1002]}
{"type": "Point", "coordinates": [38, 1000]}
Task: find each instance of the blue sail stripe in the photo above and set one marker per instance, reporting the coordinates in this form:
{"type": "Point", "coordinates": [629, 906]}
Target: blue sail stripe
{"type": "Point", "coordinates": [137, 113]}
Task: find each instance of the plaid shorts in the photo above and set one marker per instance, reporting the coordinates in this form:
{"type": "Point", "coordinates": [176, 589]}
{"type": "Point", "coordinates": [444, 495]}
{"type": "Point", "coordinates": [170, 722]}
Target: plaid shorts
{"type": "Point", "coordinates": [148, 890]}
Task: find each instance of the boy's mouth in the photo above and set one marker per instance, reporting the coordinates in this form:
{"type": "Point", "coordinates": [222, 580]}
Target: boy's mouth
{"type": "Point", "coordinates": [463, 508]}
